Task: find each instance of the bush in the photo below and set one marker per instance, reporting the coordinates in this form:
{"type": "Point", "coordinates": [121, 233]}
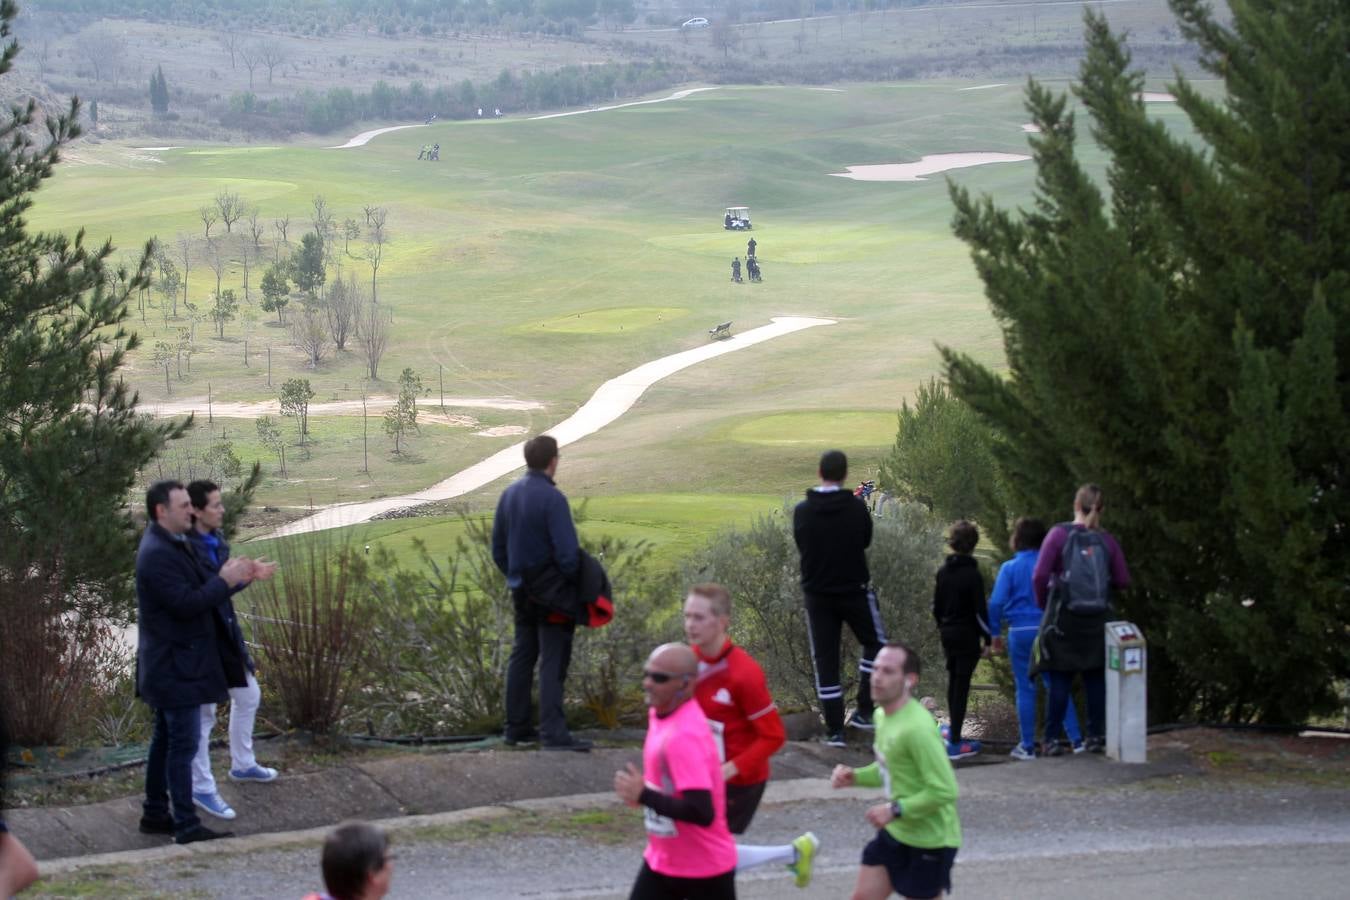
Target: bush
{"type": "Point", "coordinates": [312, 626]}
{"type": "Point", "coordinates": [442, 635]}
{"type": "Point", "coordinates": [54, 656]}
{"type": "Point", "coordinates": [760, 567]}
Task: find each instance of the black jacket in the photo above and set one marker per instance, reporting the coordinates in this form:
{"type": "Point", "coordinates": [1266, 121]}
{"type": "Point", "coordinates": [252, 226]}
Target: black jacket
{"type": "Point", "coordinates": [833, 529]}
{"type": "Point", "coordinates": [587, 600]}
{"type": "Point", "coordinates": [959, 604]}
{"type": "Point", "coordinates": [182, 629]}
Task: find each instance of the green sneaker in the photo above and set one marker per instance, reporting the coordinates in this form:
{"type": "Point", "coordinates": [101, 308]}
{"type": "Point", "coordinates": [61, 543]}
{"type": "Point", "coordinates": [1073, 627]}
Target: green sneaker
{"type": "Point", "coordinates": [806, 847]}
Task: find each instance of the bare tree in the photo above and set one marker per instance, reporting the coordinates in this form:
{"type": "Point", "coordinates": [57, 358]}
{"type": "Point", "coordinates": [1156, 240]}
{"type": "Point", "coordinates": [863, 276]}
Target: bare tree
{"type": "Point", "coordinates": [255, 229]}
{"type": "Point", "coordinates": [341, 308]}
{"type": "Point", "coordinates": [375, 241]}
{"type": "Point", "coordinates": [724, 36]}
{"type": "Point", "coordinates": [372, 334]}
{"type": "Point", "coordinates": [309, 332]}
{"type": "Point", "coordinates": [321, 217]}
{"type": "Point", "coordinates": [209, 214]}
{"type": "Point", "coordinates": [243, 256]}
{"type": "Point", "coordinates": [271, 53]}
{"type": "Point", "coordinates": [369, 210]}
{"type": "Point", "coordinates": [281, 225]}
{"type": "Point", "coordinates": [217, 261]}
{"type": "Point", "coordinates": [230, 207]}
{"type": "Point", "coordinates": [184, 252]}
{"type": "Point", "coordinates": [103, 50]}
{"type": "Point", "coordinates": [231, 41]}
{"type": "Point", "coordinates": [249, 56]}
{"type": "Point", "coordinates": [42, 55]}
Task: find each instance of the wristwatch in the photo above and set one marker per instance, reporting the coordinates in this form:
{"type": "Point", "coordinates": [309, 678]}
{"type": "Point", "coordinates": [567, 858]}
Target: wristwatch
{"type": "Point", "coordinates": [895, 809]}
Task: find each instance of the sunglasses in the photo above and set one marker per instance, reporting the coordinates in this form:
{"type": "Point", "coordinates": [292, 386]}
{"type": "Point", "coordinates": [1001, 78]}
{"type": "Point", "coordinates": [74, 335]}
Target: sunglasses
{"type": "Point", "coordinates": [660, 677]}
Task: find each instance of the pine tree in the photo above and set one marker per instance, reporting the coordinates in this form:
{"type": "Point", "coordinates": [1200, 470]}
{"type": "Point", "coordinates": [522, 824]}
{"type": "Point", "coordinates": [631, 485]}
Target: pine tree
{"type": "Point", "coordinates": [1183, 340]}
{"type": "Point", "coordinates": [71, 439]}
{"type": "Point", "coordinates": [159, 92]}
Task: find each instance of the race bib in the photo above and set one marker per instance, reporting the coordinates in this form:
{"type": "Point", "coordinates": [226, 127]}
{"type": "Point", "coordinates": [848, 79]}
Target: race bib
{"type": "Point", "coordinates": [719, 730]}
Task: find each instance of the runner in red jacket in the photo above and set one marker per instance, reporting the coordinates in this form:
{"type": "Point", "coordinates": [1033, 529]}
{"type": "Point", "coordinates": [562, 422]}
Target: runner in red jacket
{"type": "Point", "coordinates": [734, 696]}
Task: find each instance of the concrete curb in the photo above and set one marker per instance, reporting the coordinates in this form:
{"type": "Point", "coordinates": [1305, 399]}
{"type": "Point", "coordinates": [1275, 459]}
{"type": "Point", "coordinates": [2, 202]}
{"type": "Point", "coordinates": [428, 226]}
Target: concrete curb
{"type": "Point", "coordinates": [792, 791]}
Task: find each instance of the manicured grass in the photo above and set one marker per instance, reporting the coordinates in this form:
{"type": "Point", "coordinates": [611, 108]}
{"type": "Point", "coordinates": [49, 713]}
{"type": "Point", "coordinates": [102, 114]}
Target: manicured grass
{"type": "Point", "coordinates": [675, 525]}
{"type": "Point", "coordinates": [814, 429]}
{"type": "Point", "coordinates": [540, 258]}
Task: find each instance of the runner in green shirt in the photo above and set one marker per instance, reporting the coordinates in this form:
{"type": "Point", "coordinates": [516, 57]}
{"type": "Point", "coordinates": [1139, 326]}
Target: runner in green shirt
{"type": "Point", "coordinates": [918, 831]}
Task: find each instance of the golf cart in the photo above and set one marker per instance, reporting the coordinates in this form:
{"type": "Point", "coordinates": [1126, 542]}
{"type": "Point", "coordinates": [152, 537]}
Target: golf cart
{"type": "Point", "coordinates": [737, 218]}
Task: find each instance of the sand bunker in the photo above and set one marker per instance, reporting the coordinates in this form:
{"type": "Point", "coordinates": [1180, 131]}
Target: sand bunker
{"type": "Point", "coordinates": [1156, 97]}
{"type": "Point", "coordinates": [983, 87]}
{"type": "Point", "coordinates": [678, 95]}
{"type": "Point", "coordinates": [1031, 128]}
{"type": "Point", "coordinates": [366, 137]}
{"type": "Point", "coordinates": [929, 165]}
{"type": "Point", "coordinates": [502, 431]}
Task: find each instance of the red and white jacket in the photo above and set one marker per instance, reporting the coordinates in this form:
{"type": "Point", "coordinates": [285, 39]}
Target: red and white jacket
{"type": "Point", "coordinates": [735, 698]}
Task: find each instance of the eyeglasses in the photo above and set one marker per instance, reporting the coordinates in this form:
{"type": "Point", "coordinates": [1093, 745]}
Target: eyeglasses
{"type": "Point", "coordinates": [660, 677]}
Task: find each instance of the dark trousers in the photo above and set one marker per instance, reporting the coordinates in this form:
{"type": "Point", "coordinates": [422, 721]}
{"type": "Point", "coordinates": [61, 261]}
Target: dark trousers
{"type": "Point", "coordinates": [960, 669]}
{"type": "Point", "coordinates": [168, 770]}
{"type": "Point", "coordinates": [1094, 688]}
{"type": "Point", "coordinates": [655, 886]}
{"type": "Point", "coordinates": [550, 644]}
{"type": "Point", "coordinates": [826, 616]}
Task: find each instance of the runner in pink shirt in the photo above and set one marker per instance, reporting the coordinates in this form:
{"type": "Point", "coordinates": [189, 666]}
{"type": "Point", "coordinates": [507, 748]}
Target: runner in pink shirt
{"type": "Point", "coordinates": [690, 852]}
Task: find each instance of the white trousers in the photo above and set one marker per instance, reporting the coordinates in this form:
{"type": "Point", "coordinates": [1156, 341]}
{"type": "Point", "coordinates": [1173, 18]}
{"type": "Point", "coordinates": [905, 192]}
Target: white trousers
{"type": "Point", "coordinates": [243, 711]}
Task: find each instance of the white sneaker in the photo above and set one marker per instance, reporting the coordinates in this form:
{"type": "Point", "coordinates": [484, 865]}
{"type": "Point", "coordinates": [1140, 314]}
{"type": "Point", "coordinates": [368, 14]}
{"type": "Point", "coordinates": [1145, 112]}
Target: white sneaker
{"type": "Point", "coordinates": [1020, 752]}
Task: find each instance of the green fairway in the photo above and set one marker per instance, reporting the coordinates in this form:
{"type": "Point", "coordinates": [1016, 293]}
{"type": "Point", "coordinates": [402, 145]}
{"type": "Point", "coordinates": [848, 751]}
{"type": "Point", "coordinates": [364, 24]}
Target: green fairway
{"type": "Point", "coordinates": [675, 525]}
{"type": "Point", "coordinates": [817, 429]}
{"type": "Point", "coordinates": [539, 259]}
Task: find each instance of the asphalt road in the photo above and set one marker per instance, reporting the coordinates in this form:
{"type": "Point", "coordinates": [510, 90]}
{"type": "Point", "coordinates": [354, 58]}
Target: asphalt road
{"type": "Point", "coordinates": [1157, 841]}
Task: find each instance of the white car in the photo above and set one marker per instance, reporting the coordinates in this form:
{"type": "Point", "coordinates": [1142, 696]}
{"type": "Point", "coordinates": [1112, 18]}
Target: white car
{"type": "Point", "coordinates": [696, 22]}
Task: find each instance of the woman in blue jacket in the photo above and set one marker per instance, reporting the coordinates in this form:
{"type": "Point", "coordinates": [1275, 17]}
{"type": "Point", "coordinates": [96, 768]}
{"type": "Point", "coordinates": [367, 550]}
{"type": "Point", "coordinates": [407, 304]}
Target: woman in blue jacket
{"type": "Point", "coordinates": [1014, 601]}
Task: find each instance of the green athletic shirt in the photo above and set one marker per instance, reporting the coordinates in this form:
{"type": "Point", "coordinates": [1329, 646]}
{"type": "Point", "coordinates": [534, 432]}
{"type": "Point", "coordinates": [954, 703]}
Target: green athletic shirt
{"type": "Point", "coordinates": [913, 767]}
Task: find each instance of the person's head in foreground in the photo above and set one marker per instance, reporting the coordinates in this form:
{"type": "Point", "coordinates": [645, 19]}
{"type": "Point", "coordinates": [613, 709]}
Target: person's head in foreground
{"type": "Point", "coordinates": [895, 675]}
{"type": "Point", "coordinates": [668, 678]}
{"type": "Point", "coordinates": [356, 862]}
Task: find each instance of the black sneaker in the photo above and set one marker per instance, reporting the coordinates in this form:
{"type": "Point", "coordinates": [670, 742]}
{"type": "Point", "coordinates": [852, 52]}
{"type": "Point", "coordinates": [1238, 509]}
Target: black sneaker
{"type": "Point", "coordinates": [1095, 745]}
{"type": "Point", "coordinates": [524, 740]}
{"type": "Point", "coordinates": [1055, 748]}
{"type": "Point", "coordinates": [157, 825]}
{"type": "Point", "coordinates": [834, 740]}
{"type": "Point", "coordinates": [200, 833]}
{"type": "Point", "coordinates": [575, 745]}
{"type": "Point", "coordinates": [860, 721]}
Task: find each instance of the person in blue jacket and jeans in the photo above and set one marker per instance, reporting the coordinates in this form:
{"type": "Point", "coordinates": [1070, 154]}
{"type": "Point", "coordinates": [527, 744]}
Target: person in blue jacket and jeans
{"type": "Point", "coordinates": [1014, 602]}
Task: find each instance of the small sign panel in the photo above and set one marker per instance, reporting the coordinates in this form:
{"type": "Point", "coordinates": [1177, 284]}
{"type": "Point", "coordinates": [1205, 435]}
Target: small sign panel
{"type": "Point", "coordinates": [1134, 659]}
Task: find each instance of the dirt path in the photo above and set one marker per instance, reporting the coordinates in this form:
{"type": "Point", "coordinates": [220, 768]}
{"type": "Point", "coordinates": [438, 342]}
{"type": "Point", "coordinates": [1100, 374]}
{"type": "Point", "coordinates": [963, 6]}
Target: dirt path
{"type": "Point", "coordinates": [678, 95]}
{"type": "Point", "coordinates": [366, 137]}
{"type": "Point", "coordinates": [611, 400]}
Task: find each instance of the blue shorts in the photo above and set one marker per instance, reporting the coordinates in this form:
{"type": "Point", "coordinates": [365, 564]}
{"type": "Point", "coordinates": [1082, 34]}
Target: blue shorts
{"type": "Point", "coordinates": [915, 872]}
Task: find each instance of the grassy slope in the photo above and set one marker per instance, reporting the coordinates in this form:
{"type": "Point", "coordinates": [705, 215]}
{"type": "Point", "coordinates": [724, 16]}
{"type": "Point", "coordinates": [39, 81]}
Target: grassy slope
{"type": "Point", "coordinates": [524, 228]}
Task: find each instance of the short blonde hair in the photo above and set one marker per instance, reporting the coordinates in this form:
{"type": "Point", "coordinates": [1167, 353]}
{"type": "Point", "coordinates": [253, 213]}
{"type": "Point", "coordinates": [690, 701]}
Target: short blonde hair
{"type": "Point", "coordinates": [718, 597]}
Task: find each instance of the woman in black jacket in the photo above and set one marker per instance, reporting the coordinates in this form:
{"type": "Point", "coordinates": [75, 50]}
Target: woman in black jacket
{"type": "Point", "coordinates": [961, 611]}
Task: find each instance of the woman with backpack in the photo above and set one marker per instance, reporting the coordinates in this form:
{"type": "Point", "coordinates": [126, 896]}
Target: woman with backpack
{"type": "Point", "coordinates": [1079, 569]}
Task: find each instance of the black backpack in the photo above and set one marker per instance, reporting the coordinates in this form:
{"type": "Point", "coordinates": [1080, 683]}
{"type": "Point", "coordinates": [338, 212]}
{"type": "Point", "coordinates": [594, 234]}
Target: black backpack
{"type": "Point", "coordinates": [1085, 581]}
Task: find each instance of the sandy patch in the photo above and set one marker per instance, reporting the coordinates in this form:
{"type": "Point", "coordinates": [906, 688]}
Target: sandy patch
{"type": "Point", "coordinates": [929, 165]}
{"type": "Point", "coordinates": [678, 95]}
{"type": "Point", "coordinates": [983, 87]}
{"type": "Point", "coordinates": [828, 90]}
{"type": "Point", "coordinates": [1156, 97]}
{"type": "Point", "coordinates": [155, 149]}
{"type": "Point", "coordinates": [611, 400]}
{"type": "Point", "coordinates": [502, 431]}
{"type": "Point", "coordinates": [1031, 128]}
{"type": "Point", "coordinates": [226, 410]}
{"type": "Point", "coordinates": [366, 137]}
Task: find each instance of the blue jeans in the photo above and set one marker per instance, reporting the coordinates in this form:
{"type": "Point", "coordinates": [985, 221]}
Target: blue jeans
{"type": "Point", "coordinates": [168, 770]}
{"type": "Point", "coordinates": [1061, 683]}
{"type": "Point", "coordinates": [1019, 654]}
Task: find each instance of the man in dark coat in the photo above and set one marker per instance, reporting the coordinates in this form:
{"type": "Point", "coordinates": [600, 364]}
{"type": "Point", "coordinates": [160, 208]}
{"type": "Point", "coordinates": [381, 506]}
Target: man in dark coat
{"type": "Point", "coordinates": [184, 656]}
{"type": "Point", "coordinates": [535, 544]}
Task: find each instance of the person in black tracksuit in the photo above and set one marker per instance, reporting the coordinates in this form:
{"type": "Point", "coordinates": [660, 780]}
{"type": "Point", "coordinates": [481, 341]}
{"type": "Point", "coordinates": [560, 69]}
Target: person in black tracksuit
{"type": "Point", "coordinates": [833, 529]}
{"type": "Point", "coordinates": [962, 614]}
